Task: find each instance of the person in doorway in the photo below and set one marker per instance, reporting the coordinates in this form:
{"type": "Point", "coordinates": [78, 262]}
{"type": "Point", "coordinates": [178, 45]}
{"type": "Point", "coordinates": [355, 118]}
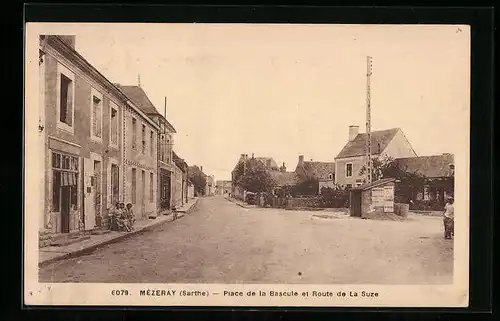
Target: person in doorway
{"type": "Point", "coordinates": [449, 218]}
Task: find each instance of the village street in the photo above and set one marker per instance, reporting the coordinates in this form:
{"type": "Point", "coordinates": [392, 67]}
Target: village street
{"type": "Point", "coordinates": [221, 242]}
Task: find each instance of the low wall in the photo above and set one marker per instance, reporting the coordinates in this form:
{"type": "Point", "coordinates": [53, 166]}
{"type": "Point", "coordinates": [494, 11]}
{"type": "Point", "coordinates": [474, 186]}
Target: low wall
{"type": "Point", "coordinates": [315, 202]}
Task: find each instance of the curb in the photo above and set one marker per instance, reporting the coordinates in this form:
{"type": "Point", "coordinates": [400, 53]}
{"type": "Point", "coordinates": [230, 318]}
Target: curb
{"type": "Point", "coordinates": [241, 205]}
{"type": "Point", "coordinates": [92, 248]}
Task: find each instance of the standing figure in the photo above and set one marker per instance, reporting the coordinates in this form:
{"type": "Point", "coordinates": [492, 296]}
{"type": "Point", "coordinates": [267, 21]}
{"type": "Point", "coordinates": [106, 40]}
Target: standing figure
{"type": "Point", "coordinates": [449, 218]}
{"type": "Point", "coordinates": [113, 214]}
{"type": "Point", "coordinates": [130, 216]}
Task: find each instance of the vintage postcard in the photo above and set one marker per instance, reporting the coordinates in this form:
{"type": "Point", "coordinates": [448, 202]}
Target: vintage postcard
{"type": "Point", "coordinates": [247, 165]}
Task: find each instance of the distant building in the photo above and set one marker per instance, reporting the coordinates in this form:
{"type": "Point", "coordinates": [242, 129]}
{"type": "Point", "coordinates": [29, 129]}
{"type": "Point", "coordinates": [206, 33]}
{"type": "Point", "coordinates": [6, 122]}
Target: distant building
{"type": "Point", "coordinates": [223, 187]}
{"type": "Point", "coordinates": [350, 160]}
{"type": "Point", "coordinates": [438, 171]}
{"type": "Point", "coordinates": [324, 172]}
{"type": "Point", "coordinates": [180, 188]}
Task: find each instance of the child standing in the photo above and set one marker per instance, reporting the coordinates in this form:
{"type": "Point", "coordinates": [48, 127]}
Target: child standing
{"type": "Point", "coordinates": [448, 219]}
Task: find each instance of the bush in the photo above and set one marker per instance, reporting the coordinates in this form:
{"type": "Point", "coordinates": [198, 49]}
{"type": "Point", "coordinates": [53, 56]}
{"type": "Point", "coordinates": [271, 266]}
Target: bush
{"type": "Point", "coordinates": [337, 197]}
{"type": "Point", "coordinates": [251, 198]}
{"type": "Point", "coordinates": [429, 205]}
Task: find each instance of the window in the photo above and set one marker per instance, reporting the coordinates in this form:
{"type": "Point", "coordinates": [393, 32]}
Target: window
{"type": "Point", "coordinates": [162, 148]}
{"type": "Point", "coordinates": [348, 170]}
{"type": "Point", "coordinates": [64, 174]}
{"type": "Point", "coordinates": [151, 181]}
{"type": "Point", "coordinates": [134, 132]}
{"type": "Point", "coordinates": [114, 126]}
{"type": "Point", "coordinates": [143, 139]}
{"type": "Point", "coordinates": [167, 151]}
{"type": "Point", "coordinates": [349, 186]}
{"type": "Point", "coordinates": [134, 185]}
{"type": "Point", "coordinates": [65, 99]}
{"type": "Point", "coordinates": [152, 141]}
{"type": "Point", "coordinates": [96, 101]}
{"type": "Point", "coordinates": [330, 176]}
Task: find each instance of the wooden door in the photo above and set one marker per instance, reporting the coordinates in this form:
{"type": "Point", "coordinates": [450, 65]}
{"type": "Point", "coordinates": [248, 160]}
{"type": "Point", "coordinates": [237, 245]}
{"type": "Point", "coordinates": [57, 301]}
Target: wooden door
{"type": "Point", "coordinates": [65, 208]}
{"type": "Point", "coordinates": [356, 203]}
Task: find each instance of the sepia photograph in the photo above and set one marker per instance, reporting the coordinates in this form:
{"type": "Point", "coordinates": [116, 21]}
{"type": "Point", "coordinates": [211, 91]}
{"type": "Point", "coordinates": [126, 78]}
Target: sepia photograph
{"type": "Point", "coordinates": [247, 164]}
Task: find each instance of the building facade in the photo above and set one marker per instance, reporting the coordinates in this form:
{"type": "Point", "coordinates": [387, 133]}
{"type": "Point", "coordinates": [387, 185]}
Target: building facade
{"type": "Point", "coordinates": [323, 172]}
{"type": "Point", "coordinates": [439, 179]}
{"type": "Point", "coordinates": [181, 185]}
{"type": "Point", "coordinates": [163, 140]}
{"type": "Point", "coordinates": [81, 138]}
{"type": "Point", "coordinates": [140, 162]}
{"type": "Point", "coordinates": [223, 187]}
{"type": "Point", "coordinates": [352, 157]}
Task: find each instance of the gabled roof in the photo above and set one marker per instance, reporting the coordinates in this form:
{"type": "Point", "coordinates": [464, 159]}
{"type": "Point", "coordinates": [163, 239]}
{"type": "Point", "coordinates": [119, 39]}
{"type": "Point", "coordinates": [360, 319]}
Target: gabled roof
{"type": "Point", "coordinates": [374, 184]}
{"type": "Point", "coordinates": [139, 97]}
{"type": "Point", "coordinates": [285, 178]}
{"type": "Point", "coordinates": [195, 169]}
{"type": "Point", "coordinates": [319, 170]}
{"type": "Point", "coordinates": [430, 166]}
{"type": "Point", "coordinates": [265, 161]}
{"type": "Point", "coordinates": [379, 141]}
{"type": "Point", "coordinates": [179, 161]}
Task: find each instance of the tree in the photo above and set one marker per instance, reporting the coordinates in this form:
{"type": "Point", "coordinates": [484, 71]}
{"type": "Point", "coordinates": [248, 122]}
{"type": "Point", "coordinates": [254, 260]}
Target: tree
{"type": "Point", "coordinates": [253, 177]}
{"type": "Point", "coordinates": [199, 181]}
{"type": "Point", "coordinates": [308, 186]}
{"type": "Point", "coordinates": [386, 167]}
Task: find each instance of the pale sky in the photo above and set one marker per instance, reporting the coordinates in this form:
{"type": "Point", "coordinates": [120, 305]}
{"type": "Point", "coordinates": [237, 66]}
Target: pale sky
{"type": "Point", "coordinates": [285, 90]}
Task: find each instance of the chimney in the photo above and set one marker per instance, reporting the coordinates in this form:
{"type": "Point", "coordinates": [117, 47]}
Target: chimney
{"type": "Point", "coordinates": [283, 168]}
{"type": "Point", "coordinates": [69, 40]}
{"type": "Point", "coordinates": [301, 159]}
{"type": "Point", "coordinates": [268, 163]}
{"type": "Point", "coordinates": [201, 169]}
{"type": "Point", "coordinates": [353, 132]}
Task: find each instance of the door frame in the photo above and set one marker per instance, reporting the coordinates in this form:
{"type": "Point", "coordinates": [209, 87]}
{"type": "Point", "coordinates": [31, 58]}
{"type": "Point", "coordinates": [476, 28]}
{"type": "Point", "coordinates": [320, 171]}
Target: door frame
{"type": "Point", "coordinates": [109, 196]}
{"type": "Point", "coordinates": [90, 210]}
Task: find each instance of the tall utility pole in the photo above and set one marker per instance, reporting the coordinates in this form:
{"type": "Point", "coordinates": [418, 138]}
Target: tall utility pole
{"type": "Point", "coordinates": [368, 121]}
{"type": "Point", "coordinates": [165, 112]}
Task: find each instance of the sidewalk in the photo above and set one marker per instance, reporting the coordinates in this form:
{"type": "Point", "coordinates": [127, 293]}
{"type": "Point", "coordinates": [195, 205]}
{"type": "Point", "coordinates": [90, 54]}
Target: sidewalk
{"type": "Point", "coordinates": [50, 254]}
{"type": "Point", "coordinates": [239, 203]}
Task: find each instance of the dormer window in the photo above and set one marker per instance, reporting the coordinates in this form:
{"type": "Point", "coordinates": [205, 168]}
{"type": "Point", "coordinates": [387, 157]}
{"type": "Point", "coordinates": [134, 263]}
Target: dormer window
{"type": "Point", "coordinates": [330, 176]}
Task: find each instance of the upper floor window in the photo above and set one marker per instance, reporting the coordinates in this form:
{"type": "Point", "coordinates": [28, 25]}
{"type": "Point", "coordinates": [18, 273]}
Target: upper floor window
{"type": "Point", "coordinates": [143, 139]}
{"type": "Point", "coordinates": [330, 176]}
{"type": "Point", "coordinates": [134, 132]}
{"type": "Point", "coordinates": [348, 170]}
{"type": "Point", "coordinates": [152, 141]}
{"type": "Point", "coordinates": [162, 148]}
{"type": "Point", "coordinates": [96, 105]}
{"type": "Point", "coordinates": [114, 125]}
{"type": "Point", "coordinates": [66, 99]}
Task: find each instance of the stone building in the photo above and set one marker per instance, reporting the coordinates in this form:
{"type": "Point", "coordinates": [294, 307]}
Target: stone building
{"type": "Point", "coordinates": [82, 125]}
{"type": "Point", "coordinates": [350, 160]}
{"type": "Point", "coordinates": [222, 187]}
{"type": "Point", "coordinates": [162, 140]}
{"type": "Point", "coordinates": [438, 171]}
{"type": "Point", "coordinates": [373, 198]}
{"type": "Point", "coordinates": [180, 185]}
{"type": "Point", "coordinates": [323, 172]}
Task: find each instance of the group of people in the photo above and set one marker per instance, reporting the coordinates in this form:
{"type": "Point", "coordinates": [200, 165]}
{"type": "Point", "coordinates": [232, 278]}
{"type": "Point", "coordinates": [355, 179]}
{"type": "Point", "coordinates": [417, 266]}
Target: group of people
{"type": "Point", "coordinates": [122, 218]}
